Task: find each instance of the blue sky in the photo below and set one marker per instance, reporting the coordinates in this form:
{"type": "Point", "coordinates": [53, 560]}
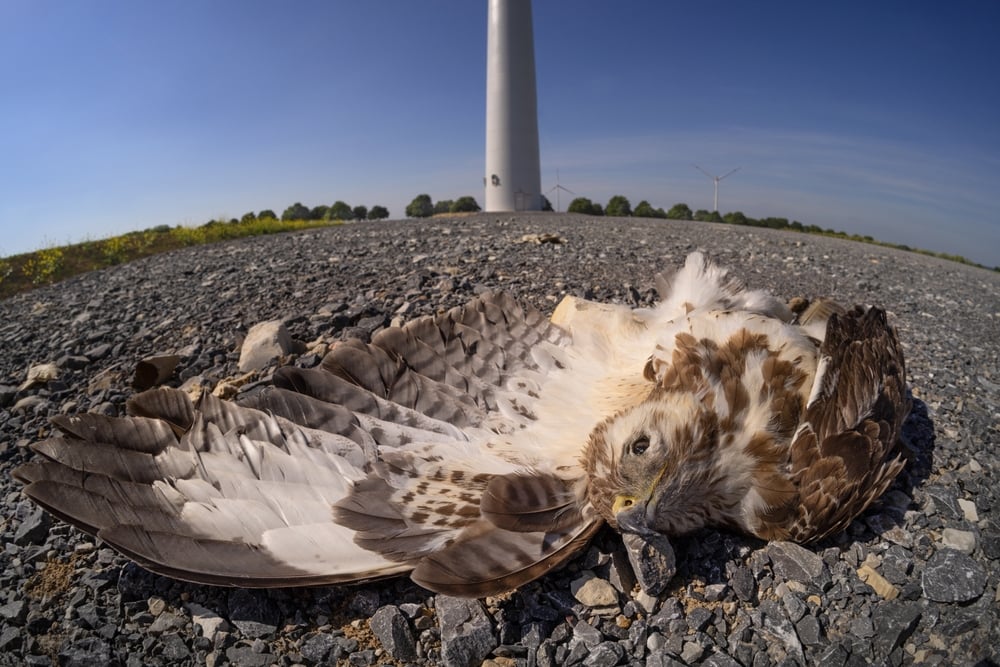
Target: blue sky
{"type": "Point", "coordinates": [872, 118]}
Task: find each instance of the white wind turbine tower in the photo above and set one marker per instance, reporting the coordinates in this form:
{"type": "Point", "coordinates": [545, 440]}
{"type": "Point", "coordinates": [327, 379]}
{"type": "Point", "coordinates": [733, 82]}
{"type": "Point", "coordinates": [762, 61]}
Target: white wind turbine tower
{"type": "Point", "coordinates": [513, 176]}
{"type": "Point", "coordinates": [558, 189]}
{"type": "Point", "coordinates": [716, 179]}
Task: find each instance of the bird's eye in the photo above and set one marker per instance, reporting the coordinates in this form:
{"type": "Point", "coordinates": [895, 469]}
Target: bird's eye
{"type": "Point", "coordinates": [639, 447]}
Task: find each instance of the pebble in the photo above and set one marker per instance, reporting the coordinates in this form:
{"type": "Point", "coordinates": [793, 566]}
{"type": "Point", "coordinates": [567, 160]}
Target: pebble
{"type": "Point", "coordinates": [265, 342]}
{"type": "Point", "coordinates": [317, 647]}
{"type": "Point", "coordinates": [393, 632]}
{"type": "Point", "coordinates": [882, 587]}
{"type": "Point", "coordinates": [593, 592]}
{"type": "Point", "coordinates": [969, 508]}
{"type": "Point", "coordinates": [34, 529]}
{"type": "Point", "coordinates": [39, 374]}
{"type": "Point", "coordinates": [960, 540]}
{"type": "Point", "coordinates": [734, 600]}
{"type": "Point", "coordinates": [206, 620]}
{"type": "Point", "coordinates": [796, 563]}
{"type": "Point", "coordinates": [466, 631]}
{"type": "Point", "coordinates": [952, 576]}
{"type": "Point", "coordinates": [652, 559]}
{"type": "Point", "coordinates": [253, 614]}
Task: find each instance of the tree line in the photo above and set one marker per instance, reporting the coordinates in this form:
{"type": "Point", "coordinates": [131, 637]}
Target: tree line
{"type": "Point", "coordinates": [619, 206]}
{"type": "Point", "coordinates": [339, 210]}
{"type": "Point", "coordinates": [423, 207]}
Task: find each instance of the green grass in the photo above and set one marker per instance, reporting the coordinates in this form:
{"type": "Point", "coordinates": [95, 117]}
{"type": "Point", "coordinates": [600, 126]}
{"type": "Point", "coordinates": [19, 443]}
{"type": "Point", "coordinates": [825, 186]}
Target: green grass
{"type": "Point", "coordinates": [24, 272]}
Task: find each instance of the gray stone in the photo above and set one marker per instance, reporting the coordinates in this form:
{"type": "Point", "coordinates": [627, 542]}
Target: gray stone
{"type": "Point", "coordinates": [621, 575]}
{"type": "Point", "coordinates": [97, 352]}
{"type": "Point", "coordinates": [87, 617]}
{"type": "Point", "coordinates": [607, 654]}
{"type": "Point", "coordinates": [587, 634]}
{"type": "Point", "coordinates": [7, 395]}
{"type": "Point", "coordinates": [792, 562]}
{"type": "Point", "coordinates": [10, 640]}
{"type": "Point", "coordinates": [951, 576]}
{"type": "Point", "coordinates": [720, 660]}
{"type": "Point", "coordinates": [894, 623]}
{"type": "Point", "coordinates": [245, 656]}
{"type": "Point", "coordinates": [74, 362]}
{"type": "Point", "coordinates": [466, 631]}
{"type": "Point", "coordinates": [794, 607]}
{"type": "Point", "coordinates": [317, 647]}
{"type": "Point", "coordinates": [699, 618]}
{"type": "Point", "coordinates": [863, 627]}
{"type": "Point", "coordinates": [253, 613]}
{"type": "Point", "coordinates": [809, 631]}
{"type": "Point", "coordinates": [959, 625]}
{"type": "Point", "coordinates": [393, 632]}
{"type": "Point", "coordinates": [86, 652]}
{"type": "Point", "coordinates": [945, 502]}
{"type": "Point", "coordinates": [167, 622]}
{"type": "Point", "coordinates": [991, 539]}
{"type": "Point", "coordinates": [774, 622]}
{"type": "Point", "coordinates": [653, 560]}
{"type": "Point", "coordinates": [14, 612]}
{"type": "Point", "coordinates": [692, 652]}
{"type": "Point", "coordinates": [264, 343]}
{"type": "Point", "coordinates": [716, 592]}
{"type": "Point", "coordinates": [743, 583]}
{"type": "Point", "coordinates": [366, 602]}
{"type": "Point", "coordinates": [34, 529]}
{"type": "Point", "coordinates": [362, 658]}
{"type": "Point", "coordinates": [662, 660]}
{"type": "Point", "coordinates": [175, 649]}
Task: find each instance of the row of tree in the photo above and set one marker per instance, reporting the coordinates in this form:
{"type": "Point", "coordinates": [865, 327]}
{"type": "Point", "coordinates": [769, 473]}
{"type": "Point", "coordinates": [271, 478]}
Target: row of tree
{"type": "Point", "coordinates": [619, 206]}
{"type": "Point", "coordinates": [423, 207]}
{"type": "Point", "coordinates": [339, 210]}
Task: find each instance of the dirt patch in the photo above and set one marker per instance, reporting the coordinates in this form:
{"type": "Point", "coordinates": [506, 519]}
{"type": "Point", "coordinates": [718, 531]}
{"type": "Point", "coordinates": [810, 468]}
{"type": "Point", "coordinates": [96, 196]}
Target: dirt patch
{"type": "Point", "coordinates": [54, 580]}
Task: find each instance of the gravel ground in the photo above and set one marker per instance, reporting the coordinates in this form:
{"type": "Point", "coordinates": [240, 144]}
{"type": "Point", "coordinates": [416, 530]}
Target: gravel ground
{"type": "Point", "coordinates": [914, 580]}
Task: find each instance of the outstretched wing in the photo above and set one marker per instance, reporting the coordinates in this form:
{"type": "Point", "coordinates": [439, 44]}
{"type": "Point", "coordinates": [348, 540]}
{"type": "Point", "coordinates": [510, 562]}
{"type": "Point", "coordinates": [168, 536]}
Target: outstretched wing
{"type": "Point", "coordinates": [372, 465]}
{"type": "Point", "coordinates": [845, 453]}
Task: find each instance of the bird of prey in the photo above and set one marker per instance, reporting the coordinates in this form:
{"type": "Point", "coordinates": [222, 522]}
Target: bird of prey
{"type": "Point", "coordinates": [480, 448]}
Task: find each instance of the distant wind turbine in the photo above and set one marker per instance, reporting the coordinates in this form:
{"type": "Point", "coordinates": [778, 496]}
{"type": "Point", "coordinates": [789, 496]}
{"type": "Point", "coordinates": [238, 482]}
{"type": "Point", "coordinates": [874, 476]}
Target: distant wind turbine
{"type": "Point", "coordinates": [559, 189]}
{"type": "Point", "coordinates": [716, 179]}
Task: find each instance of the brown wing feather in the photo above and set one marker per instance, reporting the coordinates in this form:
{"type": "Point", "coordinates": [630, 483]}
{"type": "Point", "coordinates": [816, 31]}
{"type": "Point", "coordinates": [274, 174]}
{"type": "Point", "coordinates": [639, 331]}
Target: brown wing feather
{"type": "Point", "coordinates": [492, 560]}
{"type": "Point", "coordinates": [530, 501]}
{"type": "Point", "coordinates": [845, 454]}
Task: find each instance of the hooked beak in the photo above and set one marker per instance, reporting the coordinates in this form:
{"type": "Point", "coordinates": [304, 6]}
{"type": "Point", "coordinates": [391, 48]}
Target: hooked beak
{"type": "Point", "coordinates": [630, 515]}
{"type": "Point", "coordinates": [630, 510]}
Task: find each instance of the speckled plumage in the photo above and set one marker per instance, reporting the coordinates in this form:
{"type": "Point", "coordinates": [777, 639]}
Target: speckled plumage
{"type": "Point", "coordinates": [479, 449]}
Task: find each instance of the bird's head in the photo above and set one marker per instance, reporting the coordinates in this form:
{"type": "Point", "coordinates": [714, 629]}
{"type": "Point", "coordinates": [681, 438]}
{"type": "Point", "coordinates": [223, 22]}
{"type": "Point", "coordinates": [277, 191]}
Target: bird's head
{"type": "Point", "coordinates": [650, 466]}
